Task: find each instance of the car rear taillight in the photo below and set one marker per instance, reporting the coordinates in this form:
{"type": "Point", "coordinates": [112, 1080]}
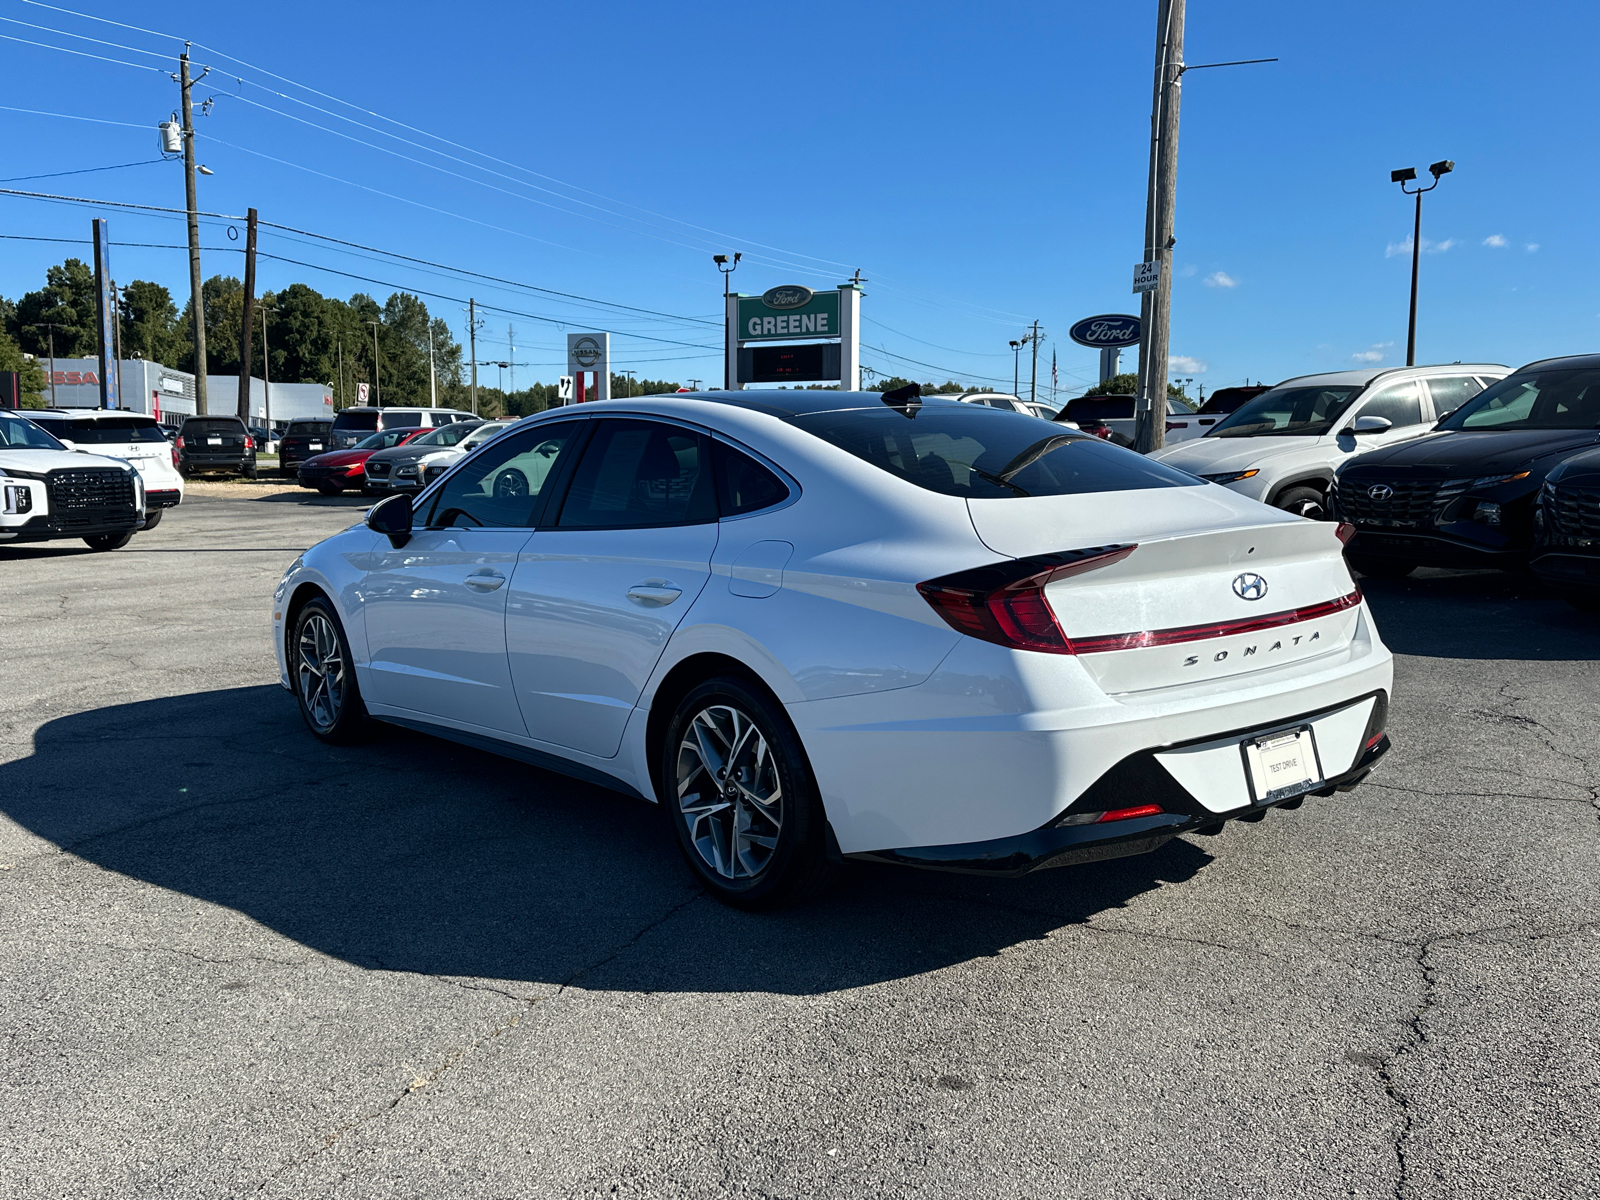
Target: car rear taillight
{"type": "Point", "coordinates": [1005, 603]}
{"type": "Point", "coordinates": [178, 442]}
{"type": "Point", "coordinates": [249, 442]}
{"type": "Point", "coordinates": [1115, 814]}
{"type": "Point", "coordinates": [174, 456]}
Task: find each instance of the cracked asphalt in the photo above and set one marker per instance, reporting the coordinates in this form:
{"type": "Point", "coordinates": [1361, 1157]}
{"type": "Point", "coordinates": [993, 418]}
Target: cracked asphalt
{"type": "Point", "coordinates": [234, 962]}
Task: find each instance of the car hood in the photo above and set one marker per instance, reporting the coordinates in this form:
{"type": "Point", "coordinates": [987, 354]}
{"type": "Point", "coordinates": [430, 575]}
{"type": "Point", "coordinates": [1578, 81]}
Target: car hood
{"type": "Point", "coordinates": [37, 462]}
{"type": "Point", "coordinates": [1580, 469]}
{"type": "Point", "coordinates": [339, 458]}
{"type": "Point", "coordinates": [1450, 453]}
{"type": "Point", "coordinates": [1213, 455]}
{"type": "Point", "coordinates": [403, 454]}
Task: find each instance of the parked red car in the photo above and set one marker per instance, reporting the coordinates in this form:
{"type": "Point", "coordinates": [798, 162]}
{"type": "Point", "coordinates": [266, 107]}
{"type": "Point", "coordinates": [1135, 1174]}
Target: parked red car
{"type": "Point", "coordinates": [336, 470]}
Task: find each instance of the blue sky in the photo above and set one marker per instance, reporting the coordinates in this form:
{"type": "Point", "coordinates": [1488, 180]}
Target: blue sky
{"type": "Point", "coordinates": [982, 165]}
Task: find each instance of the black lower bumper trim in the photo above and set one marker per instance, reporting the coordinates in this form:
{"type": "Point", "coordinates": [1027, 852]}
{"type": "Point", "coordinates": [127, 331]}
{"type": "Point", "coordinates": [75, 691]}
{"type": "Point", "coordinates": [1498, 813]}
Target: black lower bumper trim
{"type": "Point", "coordinates": [1423, 550]}
{"type": "Point", "coordinates": [1137, 779]}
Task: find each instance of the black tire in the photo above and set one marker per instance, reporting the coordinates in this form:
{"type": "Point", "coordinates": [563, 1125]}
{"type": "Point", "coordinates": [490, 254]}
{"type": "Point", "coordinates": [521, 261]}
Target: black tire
{"type": "Point", "coordinates": [323, 675]}
{"type": "Point", "coordinates": [790, 857]}
{"type": "Point", "coordinates": [330, 487]}
{"type": "Point", "coordinates": [1379, 568]}
{"type": "Point", "coordinates": [249, 472]}
{"type": "Point", "coordinates": [152, 519]}
{"type": "Point", "coordinates": [1304, 502]}
{"type": "Point", "coordinates": [185, 472]}
{"type": "Point", "coordinates": [109, 541]}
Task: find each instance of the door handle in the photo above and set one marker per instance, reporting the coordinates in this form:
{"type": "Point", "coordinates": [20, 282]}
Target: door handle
{"type": "Point", "coordinates": [484, 581]}
{"type": "Point", "coordinates": [654, 594]}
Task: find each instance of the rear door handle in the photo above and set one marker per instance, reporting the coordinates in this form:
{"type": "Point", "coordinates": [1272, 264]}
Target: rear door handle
{"type": "Point", "coordinates": [484, 581]}
{"type": "Point", "coordinates": [654, 594]}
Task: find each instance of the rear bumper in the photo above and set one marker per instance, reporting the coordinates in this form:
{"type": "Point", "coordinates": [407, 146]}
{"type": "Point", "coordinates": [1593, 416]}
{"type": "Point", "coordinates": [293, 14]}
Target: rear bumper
{"type": "Point", "coordinates": [1138, 779]}
{"type": "Point", "coordinates": [216, 462]}
{"type": "Point", "coordinates": [162, 499]}
{"type": "Point", "coordinates": [1427, 550]}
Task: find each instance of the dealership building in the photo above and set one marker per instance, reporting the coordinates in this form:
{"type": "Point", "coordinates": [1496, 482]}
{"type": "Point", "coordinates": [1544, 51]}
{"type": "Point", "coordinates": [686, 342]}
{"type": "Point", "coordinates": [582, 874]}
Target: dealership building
{"type": "Point", "coordinates": [168, 394]}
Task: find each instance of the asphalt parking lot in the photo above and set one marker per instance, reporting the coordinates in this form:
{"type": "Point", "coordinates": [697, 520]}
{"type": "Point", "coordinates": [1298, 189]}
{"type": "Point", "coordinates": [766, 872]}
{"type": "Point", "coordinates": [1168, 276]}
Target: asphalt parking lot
{"type": "Point", "coordinates": [236, 962]}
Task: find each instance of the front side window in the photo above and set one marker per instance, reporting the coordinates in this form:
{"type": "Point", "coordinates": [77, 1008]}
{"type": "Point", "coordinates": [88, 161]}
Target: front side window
{"type": "Point", "coordinates": [1548, 399]}
{"type": "Point", "coordinates": [19, 434]}
{"type": "Point", "coordinates": [501, 487]}
{"type": "Point", "coordinates": [445, 435]}
{"type": "Point", "coordinates": [1294, 410]}
{"type": "Point", "coordinates": [1399, 404]}
{"type": "Point", "coordinates": [636, 474]}
{"type": "Point", "coordinates": [964, 450]}
{"type": "Point", "coordinates": [479, 434]}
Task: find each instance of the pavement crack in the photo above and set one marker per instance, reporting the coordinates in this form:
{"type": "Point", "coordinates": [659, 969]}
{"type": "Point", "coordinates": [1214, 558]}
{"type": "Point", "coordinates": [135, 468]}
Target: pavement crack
{"type": "Point", "coordinates": [241, 958]}
{"type": "Point", "coordinates": [631, 942]}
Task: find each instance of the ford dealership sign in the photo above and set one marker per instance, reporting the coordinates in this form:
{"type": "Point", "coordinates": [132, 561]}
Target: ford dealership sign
{"type": "Point", "coordinates": [1107, 332]}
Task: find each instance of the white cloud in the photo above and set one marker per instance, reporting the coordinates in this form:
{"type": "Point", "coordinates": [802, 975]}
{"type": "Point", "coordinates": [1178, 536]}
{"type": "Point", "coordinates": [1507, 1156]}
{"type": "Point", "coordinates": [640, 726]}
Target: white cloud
{"type": "Point", "coordinates": [1220, 279]}
{"type": "Point", "coordinates": [1494, 239]}
{"type": "Point", "coordinates": [1375, 354]}
{"type": "Point", "coordinates": [1188, 270]}
{"type": "Point", "coordinates": [1533, 247]}
{"type": "Point", "coordinates": [1428, 247]}
{"type": "Point", "coordinates": [1182, 364]}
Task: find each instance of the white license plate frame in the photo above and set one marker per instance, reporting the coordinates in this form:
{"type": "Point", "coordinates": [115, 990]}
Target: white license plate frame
{"type": "Point", "coordinates": [1281, 765]}
{"type": "Point", "coordinates": [315, 446]}
{"type": "Point", "coordinates": [213, 441]}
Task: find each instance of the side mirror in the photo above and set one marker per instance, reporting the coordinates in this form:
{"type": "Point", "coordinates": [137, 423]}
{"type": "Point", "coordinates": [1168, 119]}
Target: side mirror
{"type": "Point", "coordinates": [1446, 413]}
{"type": "Point", "coordinates": [392, 518]}
{"type": "Point", "coordinates": [1368, 425]}
{"type": "Point", "coordinates": [68, 443]}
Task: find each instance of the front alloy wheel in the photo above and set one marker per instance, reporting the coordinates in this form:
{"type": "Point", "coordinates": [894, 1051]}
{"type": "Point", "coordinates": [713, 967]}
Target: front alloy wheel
{"type": "Point", "coordinates": [741, 799]}
{"type": "Point", "coordinates": [324, 679]}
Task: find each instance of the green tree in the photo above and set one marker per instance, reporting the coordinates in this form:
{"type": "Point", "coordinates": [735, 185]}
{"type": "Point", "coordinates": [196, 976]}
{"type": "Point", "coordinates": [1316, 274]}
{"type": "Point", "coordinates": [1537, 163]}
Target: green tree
{"type": "Point", "coordinates": [948, 388]}
{"type": "Point", "coordinates": [66, 301]}
{"type": "Point", "coordinates": [33, 381]}
{"type": "Point", "coordinates": [150, 322]}
{"type": "Point", "coordinates": [1127, 384]}
{"type": "Point", "coordinates": [622, 386]}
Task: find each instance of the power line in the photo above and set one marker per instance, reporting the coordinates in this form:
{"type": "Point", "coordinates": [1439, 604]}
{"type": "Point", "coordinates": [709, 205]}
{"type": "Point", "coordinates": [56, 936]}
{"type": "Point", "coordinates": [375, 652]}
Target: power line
{"type": "Point", "coordinates": [36, 112]}
{"type": "Point", "coordinates": [84, 171]}
{"type": "Point", "coordinates": [80, 53]}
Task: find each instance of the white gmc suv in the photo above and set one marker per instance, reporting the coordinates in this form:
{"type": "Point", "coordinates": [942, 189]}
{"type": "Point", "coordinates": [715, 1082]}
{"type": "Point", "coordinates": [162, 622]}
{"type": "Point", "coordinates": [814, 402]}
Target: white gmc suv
{"type": "Point", "coordinates": [48, 491]}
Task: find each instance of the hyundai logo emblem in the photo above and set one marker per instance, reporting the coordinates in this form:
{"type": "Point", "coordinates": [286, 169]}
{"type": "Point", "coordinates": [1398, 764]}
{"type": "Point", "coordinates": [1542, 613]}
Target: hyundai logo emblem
{"type": "Point", "coordinates": [1380, 491]}
{"type": "Point", "coordinates": [1249, 586]}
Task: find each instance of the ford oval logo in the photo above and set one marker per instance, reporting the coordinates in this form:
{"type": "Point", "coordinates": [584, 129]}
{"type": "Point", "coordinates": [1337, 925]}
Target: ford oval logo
{"type": "Point", "coordinates": [1380, 491]}
{"type": "Point", "coordinates": [1108, 332]}
{"type": "Point", "coordinates": [790, 295]}
{"type": "Point", "coordinates": [1249, 586]}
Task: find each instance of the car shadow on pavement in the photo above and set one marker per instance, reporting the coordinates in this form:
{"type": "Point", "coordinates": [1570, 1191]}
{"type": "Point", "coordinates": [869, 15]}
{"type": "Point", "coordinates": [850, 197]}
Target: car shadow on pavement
{"type": "Point", "coordinates": [1479, 615]}
{"type": "Point", "coordinates": [410, 853]}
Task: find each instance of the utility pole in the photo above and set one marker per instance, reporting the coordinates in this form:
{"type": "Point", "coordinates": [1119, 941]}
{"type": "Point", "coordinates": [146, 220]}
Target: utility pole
{"type": "Point", "coordinates": [266, 375]}
{"type": "Point", "coordinates": [377, 370]}
{"type": "Point", "coordinates": [52, 327]}
{"type": "Point", "coordinates": [1033, 385]}
{"type": "Point", "coordinates": [433, 381]}
{"type": "Point", "coordinates": [472, 337]}
{"type": "Point", "coordinates": [247, 326]}
{"type": "Point", "coordinates": [511, 340]}
{"type": "Point", "coordinates": [630, 375]}
{"type": "Point", "coordinates": [1155, 309]}
{"type": "Point", "coordinates": [341, 372]}
{"type": "Point", "coordinates": [195, 300]}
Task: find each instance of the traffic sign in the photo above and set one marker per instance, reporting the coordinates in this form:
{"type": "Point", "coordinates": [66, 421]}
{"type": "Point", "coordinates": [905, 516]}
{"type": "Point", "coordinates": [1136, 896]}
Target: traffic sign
{"type": "Point", "coordinates": [564, 389]}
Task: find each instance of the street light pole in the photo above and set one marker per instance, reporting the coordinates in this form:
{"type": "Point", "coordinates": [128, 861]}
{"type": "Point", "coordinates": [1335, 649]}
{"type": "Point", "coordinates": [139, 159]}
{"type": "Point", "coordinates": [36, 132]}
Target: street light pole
{"type": "Point", "coordinates": [727, 269]}
{"type": "Point", "coordinates": [1016, 365]}
{"type": "Point", "coordinates": [1404, 176]}
{"type": "Point", "coordinates": [377, 370]}
{"type": "Point", "coordinates": [433, 384]}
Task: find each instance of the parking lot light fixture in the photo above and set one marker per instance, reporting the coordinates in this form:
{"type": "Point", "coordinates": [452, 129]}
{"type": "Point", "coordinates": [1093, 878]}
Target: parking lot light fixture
{"type": "Point", "coordinates": [1404, 176]}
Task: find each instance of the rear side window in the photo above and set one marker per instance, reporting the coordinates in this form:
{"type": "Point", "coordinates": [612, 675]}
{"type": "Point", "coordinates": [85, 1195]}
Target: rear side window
{"type": "Point", "coordinates": [397, 420]}
{"type": "Point", "coordinates": [356, 421]}
{"type": "Point", "coordinates": [743, 484]}
{"type": "Point", "coordinates": [636, 474]}
{"type": "Point", "coordinates": [981, 453]}
{"type": "Point", "coordinates": [1452, 392]}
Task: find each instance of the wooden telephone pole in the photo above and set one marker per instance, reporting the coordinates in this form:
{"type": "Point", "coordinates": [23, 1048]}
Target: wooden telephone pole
{"type": "Point", "coordinates": [1155, 309]}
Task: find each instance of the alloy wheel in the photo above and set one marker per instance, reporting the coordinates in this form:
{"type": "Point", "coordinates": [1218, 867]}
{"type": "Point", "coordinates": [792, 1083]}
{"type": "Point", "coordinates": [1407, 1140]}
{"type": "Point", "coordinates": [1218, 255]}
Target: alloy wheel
{"type": "Point", "coordinates": [730, 796]}
{"type": "Point", "coordinates": [321, 672]}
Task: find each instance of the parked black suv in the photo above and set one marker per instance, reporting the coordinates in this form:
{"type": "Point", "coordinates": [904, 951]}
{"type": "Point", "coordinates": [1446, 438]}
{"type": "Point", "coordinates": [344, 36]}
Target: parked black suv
{"type": "Point", "coordinates": [1566, 554]}
{"type": "Point", "coordinates": [215, 444]}
{"type": "Point", "coordinates": [1464, 495]}
{"type": "Point", "coordinates": [302, 440]}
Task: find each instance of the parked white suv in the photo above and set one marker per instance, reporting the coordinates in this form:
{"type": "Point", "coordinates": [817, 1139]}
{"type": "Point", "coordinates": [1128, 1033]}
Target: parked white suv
{"type": "Point", "coordinates": [48, 491]}
{"type": "Point", "coordinates": [359, 422]}
{"type": "Point", "coordinates": [1283, 447]}
{"type": "Point", "coordinates": [132, 437]}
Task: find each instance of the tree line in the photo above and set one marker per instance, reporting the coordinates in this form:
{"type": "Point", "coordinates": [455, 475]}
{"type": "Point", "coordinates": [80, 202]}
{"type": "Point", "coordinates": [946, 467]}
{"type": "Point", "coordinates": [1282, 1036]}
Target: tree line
{"type": "Point", "coordinates": [310, 338]}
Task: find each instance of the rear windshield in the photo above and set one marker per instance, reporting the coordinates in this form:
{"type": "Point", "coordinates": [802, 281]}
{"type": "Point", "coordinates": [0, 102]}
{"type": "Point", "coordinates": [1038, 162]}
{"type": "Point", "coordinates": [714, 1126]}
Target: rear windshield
{"type": "Point", "coordinates": [312, 427]}
{"type": "Point", "coordinates": [1289, 411]}
{"type": "Point", "coordinates": [198, 426]}
{"type": "Point", "coordinates": [984, 453]}
{"type": "Point", "coordinates": [112, 431]}
{"type": "Point", "coordinates": [1567, 399]}
{"type": "Point", "coordinates": [356, 420]}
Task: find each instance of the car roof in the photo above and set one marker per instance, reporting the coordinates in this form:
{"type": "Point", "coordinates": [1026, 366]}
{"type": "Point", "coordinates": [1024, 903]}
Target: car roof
{"type": "Point", "coordinates": [777, 403]}
{"type": "Point", "coordinates": [1368, 374]}
{"type": "Point", "coordinates": [89, 414]}
{"type": "Point", "coordinates": [1566, 362]}
{"type": "Point", "coordinates": [365, 408]}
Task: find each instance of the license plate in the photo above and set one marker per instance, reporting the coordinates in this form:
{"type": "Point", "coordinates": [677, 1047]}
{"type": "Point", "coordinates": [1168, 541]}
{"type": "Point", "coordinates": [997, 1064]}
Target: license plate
{"type": "Point", "coordinates": [1282, 765]}
{"type": "Point", "coordinates": [213, 441]}
{"type": "Point", "coordinates": [316, 445]}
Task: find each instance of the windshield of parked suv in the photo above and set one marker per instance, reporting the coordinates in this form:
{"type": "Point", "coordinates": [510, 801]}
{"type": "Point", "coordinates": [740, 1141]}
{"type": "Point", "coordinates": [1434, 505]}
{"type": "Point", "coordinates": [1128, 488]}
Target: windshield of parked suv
{"type": "Point", "coordinates": [445, 435]}
{"type": "Point", "coordinates": [981, 453]}
{"type": "Point", "coordinates": [1296, 410]}
{"type": "Point", "coordinates": [112, 431]}
{"type": "Point", "coordinates": [1545, 399]}
{"type": "Point", "coordinates": [384, 440]}
{"type": "Point", "coordinates": [18, 434]}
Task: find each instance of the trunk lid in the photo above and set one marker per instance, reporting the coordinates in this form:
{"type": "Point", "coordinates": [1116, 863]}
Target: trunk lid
{"type": "Point", "coordinates": [1218, 586]}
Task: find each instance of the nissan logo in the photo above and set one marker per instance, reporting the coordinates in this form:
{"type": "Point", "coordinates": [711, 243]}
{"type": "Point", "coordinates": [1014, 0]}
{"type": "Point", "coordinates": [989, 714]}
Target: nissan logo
{"type": "Point", "coordinates": [586, 351]}
{"type": "Point", "coordinates": [1249, 586]}
{"type": "Point", "coordinates": [1380, 491]}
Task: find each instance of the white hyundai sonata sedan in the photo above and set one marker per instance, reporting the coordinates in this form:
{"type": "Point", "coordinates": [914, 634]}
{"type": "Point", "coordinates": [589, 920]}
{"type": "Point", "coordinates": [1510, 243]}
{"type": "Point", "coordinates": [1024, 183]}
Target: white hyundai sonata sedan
{"type": "Point", "coordinates": [817, 625]}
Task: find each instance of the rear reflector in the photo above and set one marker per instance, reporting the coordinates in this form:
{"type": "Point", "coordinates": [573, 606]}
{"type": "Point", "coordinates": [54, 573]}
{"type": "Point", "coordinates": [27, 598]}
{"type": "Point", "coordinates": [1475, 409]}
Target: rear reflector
{"type": "Point", "coordinates": [1005, 603]}
{"type": "Point", "coordinates": [1125, 814]}
{"type": "Point", "coordinates": [1197, 633]}
{"type": "Point", "coordinates": [1373, 740]}
{"type": "Point", "coordinates": [1345, 532]}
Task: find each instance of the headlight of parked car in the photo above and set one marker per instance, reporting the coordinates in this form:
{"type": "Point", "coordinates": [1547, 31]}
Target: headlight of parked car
{"type": "Point", "coordinates": [1232, 476]}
